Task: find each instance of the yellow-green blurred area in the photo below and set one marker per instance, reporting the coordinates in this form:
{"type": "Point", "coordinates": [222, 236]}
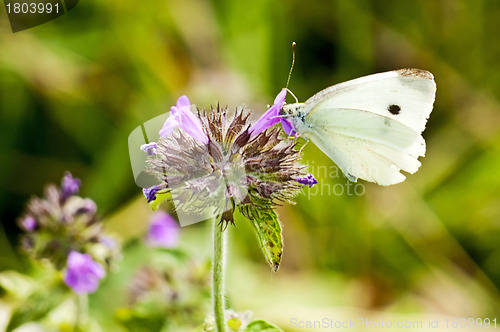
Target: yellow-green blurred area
{"type": "Point", "coordinates": [73, 89]}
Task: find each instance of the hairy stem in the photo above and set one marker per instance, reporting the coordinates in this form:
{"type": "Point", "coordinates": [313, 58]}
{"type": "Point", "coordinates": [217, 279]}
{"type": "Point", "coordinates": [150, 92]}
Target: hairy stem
{"type": "Point", "coordinates": [82, 312]}
{"type": "Point", "coordinates": [218, 277]}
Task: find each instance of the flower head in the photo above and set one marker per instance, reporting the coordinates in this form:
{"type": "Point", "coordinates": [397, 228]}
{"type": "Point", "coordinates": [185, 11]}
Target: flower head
{"type": "Point", "coordinates": [237, 168]}
{"type": "Point", "coordinates": [182, 117]}
{"type": "Point", "coordinates": [61, 222]}
{"type": "Point", "coordinates": [149, 148]}
{"type": "Point", "coordinates": [163, 230]}
{"type": "Point", "coordinates": [83, 273]}
{"type": "Point", "coordinates": [179, 286]}
{"type": "Point", "coordinates": [272, 116]}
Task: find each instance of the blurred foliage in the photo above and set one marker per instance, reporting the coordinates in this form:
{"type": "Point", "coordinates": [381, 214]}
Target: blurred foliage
{"type": "Point", "coordinates": [73, 89]}
{"type": "Point", "coordinates": [173, 293]}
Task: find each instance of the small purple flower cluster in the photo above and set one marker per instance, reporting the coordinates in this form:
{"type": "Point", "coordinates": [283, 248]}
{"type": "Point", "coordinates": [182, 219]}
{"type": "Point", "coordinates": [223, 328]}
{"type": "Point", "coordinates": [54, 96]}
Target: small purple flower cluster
{"type": "Point", "coordinates": [63, 228]}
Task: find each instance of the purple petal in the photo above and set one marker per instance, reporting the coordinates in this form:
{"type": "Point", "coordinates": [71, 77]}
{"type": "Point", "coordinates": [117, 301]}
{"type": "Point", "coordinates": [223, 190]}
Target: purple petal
{"type": "Point", "coordinates": [192, 125]}
{"type": "Point", "coordinates": [149, 148]}
{"type": "Point", "coordinates": [169, 125]}
{"type": "Point", "coordinates": [83, 273]}
{"type": "Point", "coordinates": [267, 120]}
{"type": "Point", "coordinates": [29, 224]}
{"type": "Point", "coordinates": [183, 102]}
{"type": "Point", "coordinates": [309, 180]}
{"type": "Point", "coordinates": [271, 117]}
{"type": "Point", "coordinates": [89, 206]}
{"type": "Point", "coordinates": [288, 127]}
{"type": "Point", "coordinates": [181, 116]}
{"type": "Point", "coordinates": [69, 185]}
{"type": "Point", "coordinates": [150, 193]}
{"type": "Point", "coordinates": [173, 111]}
{"type": "Point", "coordinates": [163, 231]}
{"type": "Point", "coordinates": [280, 98]}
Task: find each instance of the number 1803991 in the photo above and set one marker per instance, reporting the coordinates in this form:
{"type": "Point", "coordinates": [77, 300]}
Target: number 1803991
{"type": "Point", "coordinates": [470, 323]}
{"type": "Point", "coordinates": [31, 8]}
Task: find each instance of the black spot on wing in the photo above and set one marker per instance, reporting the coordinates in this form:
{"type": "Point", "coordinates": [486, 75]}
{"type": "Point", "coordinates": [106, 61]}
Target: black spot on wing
{"type": "Point", "coordinates": [394, 109]}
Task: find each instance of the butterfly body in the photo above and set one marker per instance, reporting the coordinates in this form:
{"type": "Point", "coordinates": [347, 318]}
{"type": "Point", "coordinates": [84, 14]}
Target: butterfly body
{"type": "Point", "coordinates": [371, 126]}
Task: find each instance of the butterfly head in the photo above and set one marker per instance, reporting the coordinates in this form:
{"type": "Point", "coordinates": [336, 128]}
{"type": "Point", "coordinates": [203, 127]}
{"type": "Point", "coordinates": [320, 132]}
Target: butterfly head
{"type": "Point", "coordinates": [291, 110]}
{"type": "Point", "coordinates": [291, 116]}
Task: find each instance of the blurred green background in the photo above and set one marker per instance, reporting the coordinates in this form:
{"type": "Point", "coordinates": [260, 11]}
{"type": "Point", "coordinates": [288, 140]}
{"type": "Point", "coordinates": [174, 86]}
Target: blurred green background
{"type": "Point", "coordinates": [73, 89]}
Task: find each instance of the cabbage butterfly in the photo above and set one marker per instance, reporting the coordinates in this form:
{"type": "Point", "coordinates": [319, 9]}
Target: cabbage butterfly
{"type": "Point", "coordinates": [371, 126]}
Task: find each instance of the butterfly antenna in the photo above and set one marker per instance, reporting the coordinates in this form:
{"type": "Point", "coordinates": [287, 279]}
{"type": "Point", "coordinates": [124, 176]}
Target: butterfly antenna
{"type": "Point", "coordinates": [292, 95]}
{"type": "Point", "coordinates": [293, 63]}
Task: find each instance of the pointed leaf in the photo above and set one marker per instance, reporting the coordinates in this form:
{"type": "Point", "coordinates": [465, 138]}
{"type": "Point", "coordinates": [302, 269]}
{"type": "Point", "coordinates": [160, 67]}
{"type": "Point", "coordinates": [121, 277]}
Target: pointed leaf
{"type": "Point", "coordinates": [268, 228]}
{"type": "Point", "coordinates": [262, 326]}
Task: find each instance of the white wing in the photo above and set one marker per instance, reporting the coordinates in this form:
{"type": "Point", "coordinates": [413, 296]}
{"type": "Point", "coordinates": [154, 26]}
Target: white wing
{"type": "Point", "coordinates": [371, 126]}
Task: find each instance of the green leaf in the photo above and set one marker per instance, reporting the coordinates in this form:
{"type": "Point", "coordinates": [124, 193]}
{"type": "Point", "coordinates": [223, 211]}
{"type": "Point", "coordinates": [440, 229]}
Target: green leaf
{"type": "Point", "coordinates": [16, 284]}
{"type": "Point", "coordinates": [268, 228]}
{"type": "Point", "coordinates": [176, 253]}
{"type": "Point", "coordinates": [262, 326]}
{"type": "Point", "coordinates": [40, 303]}
{"type": "Point", "coordinates": [135, 321]}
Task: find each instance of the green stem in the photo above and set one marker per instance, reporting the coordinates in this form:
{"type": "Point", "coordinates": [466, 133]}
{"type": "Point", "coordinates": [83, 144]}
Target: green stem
{"type": "Point", "coordinates": [218, 277]}
{"type": "Point", "coordinates": [82, 312]}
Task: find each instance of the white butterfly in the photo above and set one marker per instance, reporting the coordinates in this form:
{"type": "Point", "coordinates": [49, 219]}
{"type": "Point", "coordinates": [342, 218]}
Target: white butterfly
{"type": "Point", "coordinates": [370, 127]}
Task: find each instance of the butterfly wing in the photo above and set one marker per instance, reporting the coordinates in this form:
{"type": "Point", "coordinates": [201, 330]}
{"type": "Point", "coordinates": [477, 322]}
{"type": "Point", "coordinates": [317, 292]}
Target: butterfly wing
{"type": "Point", "coordinates": [371, 126]}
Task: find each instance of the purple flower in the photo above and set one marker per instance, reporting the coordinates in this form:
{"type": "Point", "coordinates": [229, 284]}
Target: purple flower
{"type": "Point", "coordinates": [181, 116]}
{"type": "Point", "coordinates": [69, 185]}
{"type": "Point", "coordinates": [307, 180]}
{"type": "Point", "coordinates": [163, 230]}
{"type": "Point", "coordinates": [272, 116]}
{"type": "Point", "coordinates": [149, 148]}
{"type": "Point", "coordinates": [150, 193]}
{"type": "Point", "coordinates": [28, 224]}
{"type": "Point", "coordinates": [83, 273]}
